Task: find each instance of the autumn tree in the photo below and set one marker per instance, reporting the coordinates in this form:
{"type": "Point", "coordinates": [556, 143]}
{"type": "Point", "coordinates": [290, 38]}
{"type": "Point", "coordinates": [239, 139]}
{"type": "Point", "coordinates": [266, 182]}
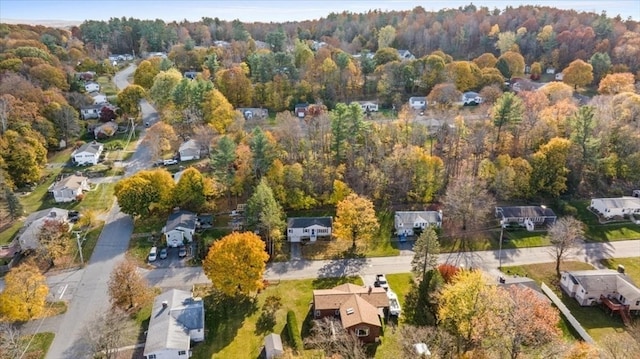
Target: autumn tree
{"type": "Point", "coordinates": [163, 184]}
{"type": "Point", "coordinates": [25, 293]}
{"type": "Point", "coordinates": [578, 73]}
{"type": "Point", "coordinates": [565, 234]}
{"type": "Point", "coordinates": [355, 220]}
{"type": "Point", "coordinates": [467, 202]}
{"type": "Point", "coordinates": [128, 290]}
{"type": "Point", "coordinates": [129, 100]}
{"type": "Point", "coordinates": [189, 192]}
{"type": "Point", "coordinates": [235, 86]}
{"type": "Point", "coordinates": [163, 85]}
{"type": "Point", "coordinates": [507, 111]}
{"type": "Point", "coordinates": [144, 74]}
{"type": "Point", "coordinates": [333, 339]}
{"type": "Point", "coordinates": [426, 249]}
{"type": "Point", "coordinates": [468, 307]}
{"type": "Point", "coordinates": [223, 158]}
{"type": "Point", "coordinates": [549, 171]}
{"type": "Point", "coordinates": [614, 84]}
{"type": "Point", "coordinates": [161, 138]}
{"type": "Point", "coordinates": [347, 129]}
{"type": "Point", "coordinates": [12, 344]}
{"type": "Point", "coordinates": [236, 263]}
{"type": "Point", "coordinates": [514, 63]}
{"type": "Point", "coordinates": [445, 95]}
{"type": "Point", "coordinates": [23, 155]}
{"type": "Point", "coordinates": [135, 195]}
{"type": "Point", "coordinates": [263, 150]}
{"type": "Point", "coordinates": [55, 241]}
{"type": "Point", "coordinates": [217, 111]}
{"type": "Point", "coordinates": [464, 74]}
{"type": "Point", "coordinates": [386, 36]}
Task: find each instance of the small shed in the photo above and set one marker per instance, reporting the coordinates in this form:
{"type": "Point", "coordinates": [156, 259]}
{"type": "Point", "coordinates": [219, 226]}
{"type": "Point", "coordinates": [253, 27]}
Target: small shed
{"type": "Point", "coordinates": [273, 346]}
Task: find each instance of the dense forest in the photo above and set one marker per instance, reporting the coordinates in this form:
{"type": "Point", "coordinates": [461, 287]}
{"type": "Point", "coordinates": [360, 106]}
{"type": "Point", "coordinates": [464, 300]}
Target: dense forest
{"type": "Point", "coordinates": [577, 137]}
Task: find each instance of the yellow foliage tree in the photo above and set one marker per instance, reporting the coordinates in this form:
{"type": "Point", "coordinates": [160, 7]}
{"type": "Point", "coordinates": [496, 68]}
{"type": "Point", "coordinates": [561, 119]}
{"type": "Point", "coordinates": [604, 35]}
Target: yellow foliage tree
{"type": "Point", "coordinates": [25, 293]}
{"type": "Point", "coordinates": [578, 73]}
{"type": "Point", "coordinates": [236, 263]}
{"type": "Point", "coordinates": [218, 112]}
{"type": "Point", "coordinates": [355, 219]}
{"type": "Point", "coordinates": [614, 84]}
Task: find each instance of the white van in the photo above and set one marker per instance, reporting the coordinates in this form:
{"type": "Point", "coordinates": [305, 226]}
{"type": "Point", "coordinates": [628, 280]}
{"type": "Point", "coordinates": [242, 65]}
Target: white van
{"type": "Point", "coordinates": [153, 254]}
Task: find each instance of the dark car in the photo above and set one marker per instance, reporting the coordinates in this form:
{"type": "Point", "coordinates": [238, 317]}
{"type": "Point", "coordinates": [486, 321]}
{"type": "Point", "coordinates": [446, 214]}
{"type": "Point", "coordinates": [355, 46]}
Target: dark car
{"type": "Point", "coordinates": [182, 252]}
{"type": "Point", "coordinates": [73, 216]}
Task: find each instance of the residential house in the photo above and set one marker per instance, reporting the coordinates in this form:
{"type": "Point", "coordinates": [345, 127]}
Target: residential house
{"type": "Point", "coordinates": [529, 217]}
{"type": "Point", "coordinates": [69, 188]}
{"type": "Point", "coordinates": [418, 103]}
{"type": "Point", "coordinates": [28, 235]}
{"type": "Point", "coordinates": [589, 287]}
{"type": "Point", "coordinates": [92, 87]}
{"type": "Point", "coordinates": [88, 154]}
{"type": "Point", "coordinates": [252, 113]}
{"type": "Point", "coordinates": [406, 55]}
{"type": "Point", "coordinates": [89, 112]}
{"type": "Point", "coordinates": [177, 319]}
{"type": "Point", "coordinates": [191, 75]}
{"type": "Point", "coordinates": [471, 98]}
{"type": "Point", "coordinates": [407, 222]}
{"type": "Point", "coordinates": [308, 228]}
{"type": "Point", "coordinates": [616, 207]}
{"type": "Point", "coordinates": [105, 130]}
{"type": "Point", "coordinates": [358, 308]}
{"type": "Point", "coordinates": [550, 71]}
{"type": "Point", "coordinates": [559, 76]}
{"type": "Point", "coordinates": [301, 109]}
{"type": "Point", "coordinates": [98, 98]}
{"type": "Point", "coordinates": [368, 106]}
{"type": "Point", "coordinates": [189, 150]}
{"type": "Point", "coordinates": [180, 228]}
{"type": "Point", "coordinates": [86, 76]}
{"type": "Point", "coordinates": [636, 193]}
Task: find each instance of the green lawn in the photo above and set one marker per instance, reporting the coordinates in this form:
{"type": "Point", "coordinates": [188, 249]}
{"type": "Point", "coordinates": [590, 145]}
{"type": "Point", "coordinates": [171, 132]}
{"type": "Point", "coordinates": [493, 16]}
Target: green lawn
{"type": "Point", "coordinates": [38, 344]}
{"type": "Point", "coordinates": [597, 232]}
{"type": "Point", "coordinates": [107, 86]}
{"type": "Point", "coordinates": [151, 224]}
{"type": "Point", "coordinates": [524, 239]}
{"type": "Point", "coordinates": [631, 266]}
{"type": "Point", "coordinates": [7, 235]}
{"type": "Point", "coordinates": [231, 324]}
{"type": "Point", "coordinates": [597, 323]}
{"type": "Point", "coordinates": [91, 239]}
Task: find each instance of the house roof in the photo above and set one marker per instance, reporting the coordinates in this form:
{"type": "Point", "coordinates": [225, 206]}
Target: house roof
{"type": "Point", "coordinates": [304, 222]}
{"type": "Point", "coordinates": [417, 99]}
{"type": "Point", "coordinates": [72, 182]}
{"type": "Point", "coordinates": [470, 95]}
{"type": "Point", "coordinates": [525, 212]}
{"type": "Point", "coordinates": [273, 344]}
{"type": "Point", "coordinates": [169, 326]}
{"type": "Point", "coordinates": [91, 147]}
{"type": "Point", "coordinates": [606, 280]}
{"type": "Point", "coordinates": [356, 310]}
{"type": "Point", "coordinates": [189, 145]}
{"type": "Point", "coordinates": [28, 236]}
{"type": "Point", "coordinates": [621, 202]}
{"type": "Point", "coordinates": [418, 216]}
{"type": "Point", "coordinates": [181, 219]}
{"type": "Point", "coordinates": [333, 298]}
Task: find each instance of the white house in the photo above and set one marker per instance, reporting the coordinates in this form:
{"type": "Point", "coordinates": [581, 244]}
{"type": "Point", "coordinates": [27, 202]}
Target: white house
{"type": "Point", "coordinates": [180, 227]}
{"type": "Point", "coordinates": [92, 111]}
{"type": "Point", "coordinates": [189, 150]}
{"type": "Point", "coordinates": [28, 235]}
{"type": "Point", "coordinates": [69, 188]}
{"type": "Point", "coordinates": [406, 222]}
{"type": "Point", "coordinates": [92, 87]}
{"type": "Point", "coordinates": [529, 217]}
{"type": "Point", "coordinates": [88, 154]}
{"type": "Point", "coordinates": [98, 97]}
{"type": "Point", "coordinates": [368, 106]}
{"type": "Point", "coordinates": [418, 103]}
{"type": "Point", "coordinates": [471, 98]}
{"type": "Point", "coordinates": [177, 319]}
{"type": "Point", "coordinates": [612, 207]}
{"type": "Point", "coordinates": [559, 76]}
{"type": "Point", "coordinates": [301, 228]}
{"type": "Point", "coordinates": [406, 55]}
{"type": "Point", "coordinates": [593, 286]}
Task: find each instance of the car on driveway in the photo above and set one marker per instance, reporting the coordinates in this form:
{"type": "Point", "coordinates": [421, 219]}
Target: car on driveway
{"type": "Point", "coordinates": [182, 252]}
{"type": "Point", "coordinates": [163, 253]}
{"type": "Point", "coordinates": [170, 162]}
{"type": "Point", "coordinates": [153, 254]}
{"type": "Point", "coordinates": [381, 281]}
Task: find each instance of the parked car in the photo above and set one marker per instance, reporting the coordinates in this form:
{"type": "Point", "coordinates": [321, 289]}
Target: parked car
{"type": "Point", "coordinates": [73, 216]}
{"type": "Point", "coordinates": [381, 281]}
{"type": "Point", "coordinates": [163, 253]}
{"type": "Point", "coordinates": [153, 254]}
{"type": "Point", "coordinates": [170, 162]}
{"type": "Point", "coordinates": [182, 252]}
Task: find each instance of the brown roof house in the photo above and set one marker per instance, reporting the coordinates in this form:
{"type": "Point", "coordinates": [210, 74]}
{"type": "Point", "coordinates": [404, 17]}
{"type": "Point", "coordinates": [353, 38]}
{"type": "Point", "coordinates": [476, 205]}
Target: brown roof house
{"type": "Point", "coordinates": [359, 308]}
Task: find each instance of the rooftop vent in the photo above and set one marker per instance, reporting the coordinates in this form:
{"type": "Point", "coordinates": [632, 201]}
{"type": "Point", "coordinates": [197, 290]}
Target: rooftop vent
{"type": "Point", "coordinates": [350, 311]}
{"type": "Point", "coordinates": [165, 304]}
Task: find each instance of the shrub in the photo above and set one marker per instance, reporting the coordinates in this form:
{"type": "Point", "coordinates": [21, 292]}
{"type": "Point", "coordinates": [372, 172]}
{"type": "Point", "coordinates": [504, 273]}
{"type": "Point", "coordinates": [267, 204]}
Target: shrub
{"type": "Point", "coordinates": [294, 332]}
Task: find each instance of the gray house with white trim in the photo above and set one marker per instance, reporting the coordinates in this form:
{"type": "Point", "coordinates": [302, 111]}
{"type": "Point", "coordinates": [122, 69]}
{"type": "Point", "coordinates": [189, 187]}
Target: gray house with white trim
{"type": "Point", "coordinates": [308, 228]}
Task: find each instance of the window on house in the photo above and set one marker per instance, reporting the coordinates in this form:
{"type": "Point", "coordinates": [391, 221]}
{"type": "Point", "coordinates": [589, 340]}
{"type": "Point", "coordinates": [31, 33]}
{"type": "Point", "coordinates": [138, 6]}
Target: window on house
{"type": "Point", "coordinates": [306, 230]}
{"type": "Point", "coordinates": [290, 230]}
{"type": "Point", "coordinates": [637, 302]}
{"type": "Point", "coordinates": [362, 332]}
{"type": "Point", "coordinates": [151, 356]}
{"type": "Point", "coordinates": [182, 352]}
{"type": "Point", "coordinates": [337, 312]}
{"type": "Point", "coordinates": [317, 314]}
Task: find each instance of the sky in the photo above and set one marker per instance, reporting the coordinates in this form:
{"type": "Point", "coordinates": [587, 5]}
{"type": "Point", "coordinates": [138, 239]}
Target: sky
{"type": "Point", "coordinates": [265, 10]}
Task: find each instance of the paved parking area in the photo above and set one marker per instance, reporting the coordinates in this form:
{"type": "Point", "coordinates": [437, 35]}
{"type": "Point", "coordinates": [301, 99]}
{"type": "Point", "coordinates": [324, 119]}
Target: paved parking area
{"type": "Point", "coordinates": [173, 260]}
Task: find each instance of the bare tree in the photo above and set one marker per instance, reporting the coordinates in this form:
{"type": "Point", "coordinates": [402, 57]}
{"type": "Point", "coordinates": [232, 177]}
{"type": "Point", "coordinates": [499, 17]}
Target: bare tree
{"type": "Point", "coordinates": [128, 290]}
{"type": "Point", "coordinates": [328, 335]}
{"type": "Point", "coordinates": [10, 344]}
{"type": "Point", "coordinates": [203, 135]}
{"type": "Point", "coordinates": [565, 235]}
{"type": "Point", "coordinates": [468, 202]}
{"type": "Point", "coordinates": [106, 333]}
{"type": "Point", "coordinates": [440, 343]}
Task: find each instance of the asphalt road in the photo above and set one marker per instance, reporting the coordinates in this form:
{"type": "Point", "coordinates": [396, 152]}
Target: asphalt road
{"type": "Point", "coordinates": [86, 289]}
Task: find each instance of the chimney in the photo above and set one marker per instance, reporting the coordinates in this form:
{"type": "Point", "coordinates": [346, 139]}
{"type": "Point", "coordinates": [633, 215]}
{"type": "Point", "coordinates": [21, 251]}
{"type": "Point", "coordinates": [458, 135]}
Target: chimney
{"type": "Point", "coordinates": [370, 289]}
{"type": "Point", "coordinates": [165, 304]}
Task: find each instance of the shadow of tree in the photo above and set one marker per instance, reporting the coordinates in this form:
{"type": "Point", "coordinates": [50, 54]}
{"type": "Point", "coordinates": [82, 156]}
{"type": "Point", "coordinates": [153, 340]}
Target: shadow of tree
{"type": "Point", "coordinates": [330, 282]}
{"type": "Point", "coordinates": [341, 268]}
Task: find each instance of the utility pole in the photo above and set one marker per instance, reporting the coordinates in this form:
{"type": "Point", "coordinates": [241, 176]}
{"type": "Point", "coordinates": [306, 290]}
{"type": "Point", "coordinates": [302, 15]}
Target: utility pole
{"type": "Point", "coordinates": [500, 251]}
{"type": "Point", "coordinates": [79, 246]}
